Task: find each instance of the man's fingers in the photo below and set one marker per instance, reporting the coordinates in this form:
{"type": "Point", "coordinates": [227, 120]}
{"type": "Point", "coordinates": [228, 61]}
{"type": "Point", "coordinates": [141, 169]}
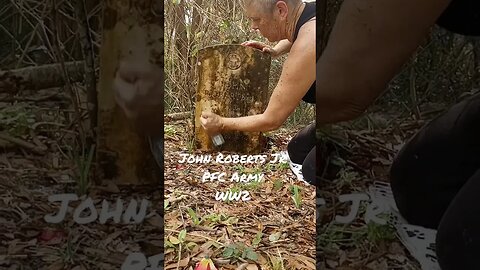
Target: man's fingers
{"type": "Point", "coordinates": [207, 114]}
{"type": "Point", "coordinates": [203, 121]}
{"type": "Point", "coordinates": [254, 44]}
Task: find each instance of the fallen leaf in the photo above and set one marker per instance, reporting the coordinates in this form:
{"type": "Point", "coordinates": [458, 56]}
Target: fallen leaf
{"type": "Point", "coordinates": [51, 236]}
{"type": "Point", "coordinates": [274, 236]}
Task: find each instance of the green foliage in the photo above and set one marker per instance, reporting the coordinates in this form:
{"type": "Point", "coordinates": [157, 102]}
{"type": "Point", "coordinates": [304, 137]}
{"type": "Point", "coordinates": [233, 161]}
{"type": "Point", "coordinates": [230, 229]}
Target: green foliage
{"type": "Point", "coordinates": [16, 120]}
{"type": "Point", "coordinates": [83, 162]}
{"type": "Point", "coordinates": [278, 184]}
{"type": "Point", "coordinates": [169, 131]}
{"type": "Point", "coordinates": [239, 250]}
{"type": "Point", "coordinates": [283, 166]}
{"type": "Point", "coordinates": [334, 235]}
{"type": "Point", "coordinates": [377, 232]}
{"type": "Point", "coordinates": [346, 177]}
{"type": "Point", "coordinates": [297, 198]}
{"type": "Point", "coordinates": [257, 239]}
{"type": "Point", "coordinates": [254, 185]}
{"type": "Point", "coordinates": [193, 215]}
{"type": "Point", "coordinates": [221, 218]}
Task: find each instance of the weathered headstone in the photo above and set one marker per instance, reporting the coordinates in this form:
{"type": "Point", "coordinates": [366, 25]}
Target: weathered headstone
{"type": "Point", "coordinates": [233, 82]}
{"type": "Point", "coordinates": [130, 29]}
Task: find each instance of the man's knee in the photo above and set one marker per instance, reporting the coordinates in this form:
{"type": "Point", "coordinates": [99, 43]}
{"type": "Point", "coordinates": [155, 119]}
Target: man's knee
{"type": "Point", "coordinates": [456, 246]}
{"type": "Point", "coordinates": [309, 170]}
{"type": "Point", "coordinates": [443, 247]}
{"type": "Point", "coordinates": [300, 145]}
{"type": "Point", "coordinates": [399, 185]}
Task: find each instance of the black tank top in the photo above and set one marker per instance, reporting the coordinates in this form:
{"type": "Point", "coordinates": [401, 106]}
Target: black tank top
{"type": "Point", "coordinates": [309, 12]}
{"type": "Point", "coordinates": [462, 17]}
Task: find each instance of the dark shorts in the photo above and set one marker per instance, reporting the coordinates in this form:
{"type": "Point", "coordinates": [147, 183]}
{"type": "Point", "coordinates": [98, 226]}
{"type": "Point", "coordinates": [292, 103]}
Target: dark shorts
{"type": "Point", "coordinates": [302, 150]}
{"type": "Point", "coordinates": [435, 180]}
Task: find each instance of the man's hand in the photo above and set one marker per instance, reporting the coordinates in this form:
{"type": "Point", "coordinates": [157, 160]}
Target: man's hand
{"type": "Point", "coordinates": [212, 123]}
{"type": "Point", "coordinates": [261, 46]}
{"type": "Point", "coordinates": [138, 89]}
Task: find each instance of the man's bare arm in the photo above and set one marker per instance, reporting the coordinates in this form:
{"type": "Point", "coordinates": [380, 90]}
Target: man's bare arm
{"type": "Point", "coordinates": [369, 43]}
{"type": "Point", "coordinates": [297, 76]}
{"type": "Point", "coordinates": [282, 47]}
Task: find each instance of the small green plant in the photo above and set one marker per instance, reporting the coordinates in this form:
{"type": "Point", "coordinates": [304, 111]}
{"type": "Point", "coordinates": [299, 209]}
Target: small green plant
{"type": "Point", "coordinates": [16, 120]}
{"type": "Point", "coordinates": [269, 167]}
{"type": "Point", "coordinates": [277, 185]}
{"type": "Point", "coordinates": [193, 215]}
{"type": "Point", "coordinates": [221, 218]}
{"type": "Point", "coordinates": [191, 145]}
{"type": "Point", "coordinates": [276, 262]}
{"type": "Point", "coordinates": [68, 252]}
{"type": "Point", "coordinates": [346, 176]}
{"type": "Point", "coordinates": [169, 131]}
{"type": "Point", "coordinates": [333, 235]}
{"type": "Point", "coordinates": [253, 185]}
{"type": "Point", "coordinates": [239, 168]}
{"type": "Point", "coordinates": [377, 232]}
{"type": "Point", "coordinates": [215, 218]}
{"type": "Point", "coordinates": [234, 189]}
{"type": "Point", "coordinates": [297, 198]}
{"type": "Point", "coordinates": [239, 250]}
{"type": "Point", "coordinates": [257, 170]}
{"type": "Point", "coordinates": [178, 242]}
{"type": "Point", "coordinates": [257, 239]}
{"type": "Point", "coordinates": [83, 164]}
{"type": "Point", "coordinates": [283, 166]}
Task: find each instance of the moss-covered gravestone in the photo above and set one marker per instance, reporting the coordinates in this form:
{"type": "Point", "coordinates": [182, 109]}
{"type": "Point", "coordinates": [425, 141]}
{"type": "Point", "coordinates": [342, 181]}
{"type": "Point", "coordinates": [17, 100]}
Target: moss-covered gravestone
{"type": "Point", "coordinates": [233, 82]}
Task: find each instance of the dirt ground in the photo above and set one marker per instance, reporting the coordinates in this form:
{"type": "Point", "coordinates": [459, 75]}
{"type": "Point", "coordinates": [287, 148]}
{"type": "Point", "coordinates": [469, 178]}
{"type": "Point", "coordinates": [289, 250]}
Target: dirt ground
{"type": "Point", "coordinates": [275, 229]}
{"type": "Point", "coordinates": [37, 161]}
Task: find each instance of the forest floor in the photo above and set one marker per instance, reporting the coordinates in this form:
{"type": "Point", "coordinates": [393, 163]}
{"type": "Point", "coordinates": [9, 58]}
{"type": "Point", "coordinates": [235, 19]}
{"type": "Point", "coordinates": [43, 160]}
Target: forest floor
{"type": "Point", "coordinates": [275, 229]}
{"type": "Point", "coordinates": [38, 159]}
{"type": "Point", "coordinates": [358, 158]}
{"type": "Point", "coordinates": [270, 229]}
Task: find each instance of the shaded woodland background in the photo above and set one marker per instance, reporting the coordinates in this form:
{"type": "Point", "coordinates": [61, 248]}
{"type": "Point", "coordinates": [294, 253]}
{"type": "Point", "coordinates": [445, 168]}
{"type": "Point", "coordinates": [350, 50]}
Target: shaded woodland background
{"type": "Point", "coordinates": [49, 71]}
{"type": "Point", "coordinates": [193, 25]}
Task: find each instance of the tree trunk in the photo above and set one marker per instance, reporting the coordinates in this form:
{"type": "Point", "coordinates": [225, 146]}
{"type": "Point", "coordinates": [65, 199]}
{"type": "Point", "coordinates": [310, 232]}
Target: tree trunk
{"type": "Point", "coordinates": [233, 82]}
{"type": "Point", "coordinates": [88, 55]}
{"type": "Point", "coordinates": [39, 77]}
{"type": "Point", "coordinates": [181, 42]}
{"type": "Point", "coordinates": [130, 29]}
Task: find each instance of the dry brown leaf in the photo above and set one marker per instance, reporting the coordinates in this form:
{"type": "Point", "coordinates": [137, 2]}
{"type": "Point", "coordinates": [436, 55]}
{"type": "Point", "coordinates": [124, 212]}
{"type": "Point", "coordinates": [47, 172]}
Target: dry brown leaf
{"type": "Point", "coordinates": [58, 265]}
{"type": "Point", "coordinates": [111, 237]}
{"type": "Point", "coordinates": [182, 263]}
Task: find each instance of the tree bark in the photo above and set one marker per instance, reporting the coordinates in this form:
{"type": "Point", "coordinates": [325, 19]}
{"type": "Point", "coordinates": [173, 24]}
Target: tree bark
{"type": "Point", "coordinates": [130, 29]}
